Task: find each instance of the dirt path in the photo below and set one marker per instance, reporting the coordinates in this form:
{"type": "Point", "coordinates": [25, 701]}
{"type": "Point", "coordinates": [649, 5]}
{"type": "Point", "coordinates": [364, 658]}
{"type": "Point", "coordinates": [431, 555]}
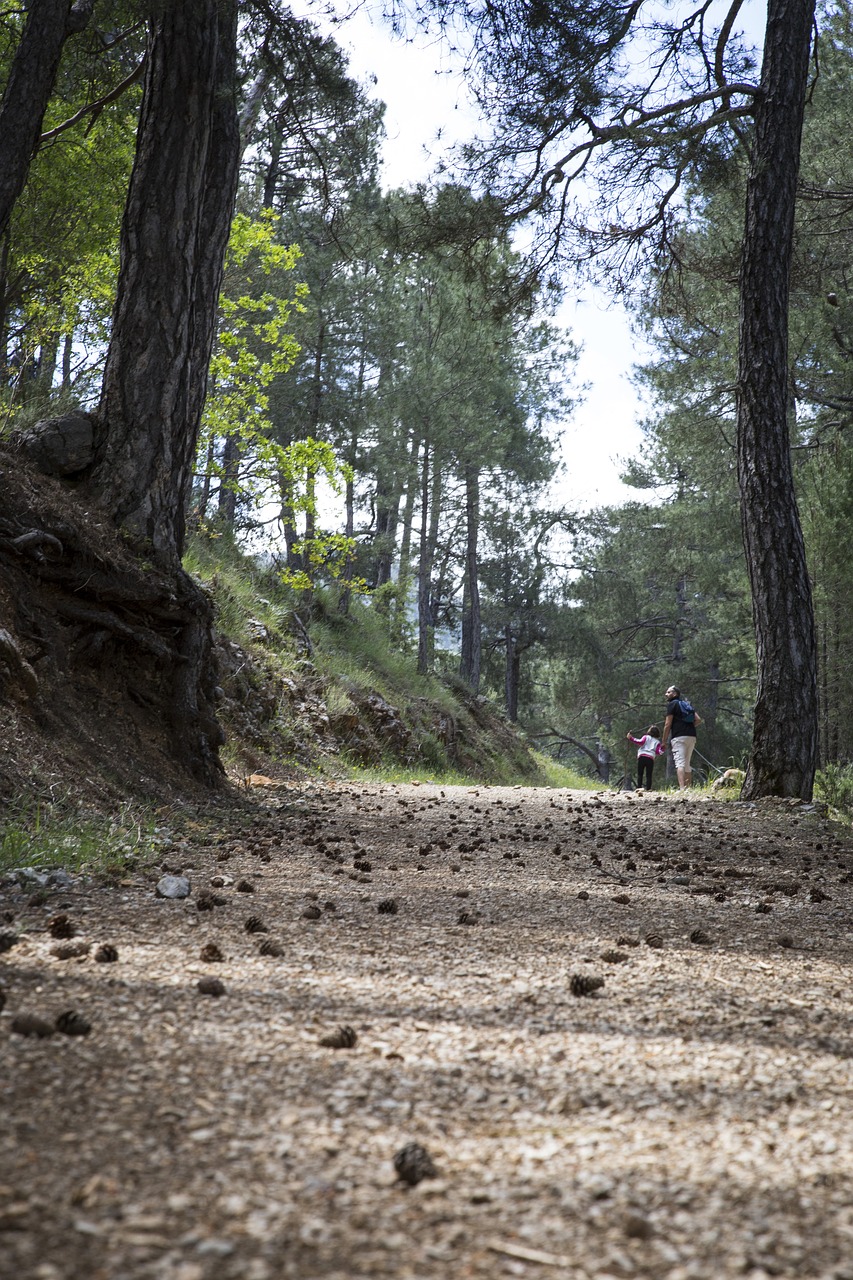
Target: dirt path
{"type": "Point", "coordinates": [692, 1118]}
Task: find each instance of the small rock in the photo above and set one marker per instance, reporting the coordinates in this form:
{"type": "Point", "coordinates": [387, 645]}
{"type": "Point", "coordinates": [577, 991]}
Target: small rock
{"type": "Point", "coordinates": [172, 887]}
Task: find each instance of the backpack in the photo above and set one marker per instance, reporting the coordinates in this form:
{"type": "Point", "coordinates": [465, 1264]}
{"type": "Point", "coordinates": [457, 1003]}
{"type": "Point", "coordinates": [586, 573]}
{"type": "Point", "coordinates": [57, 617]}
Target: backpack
{"type": "Point", "coordinates": [686, 711]}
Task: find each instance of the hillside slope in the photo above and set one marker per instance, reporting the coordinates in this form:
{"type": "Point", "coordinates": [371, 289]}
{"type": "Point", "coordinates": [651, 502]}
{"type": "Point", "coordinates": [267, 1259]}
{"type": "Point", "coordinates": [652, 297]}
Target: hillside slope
{"type": "Point", "coordinates": [90, 659]}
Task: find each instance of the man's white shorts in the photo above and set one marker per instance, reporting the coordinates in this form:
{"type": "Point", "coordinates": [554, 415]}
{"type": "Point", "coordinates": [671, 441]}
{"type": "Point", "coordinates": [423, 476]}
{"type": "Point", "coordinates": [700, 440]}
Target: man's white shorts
{"type": "Point", "coordinates": [682, 750]}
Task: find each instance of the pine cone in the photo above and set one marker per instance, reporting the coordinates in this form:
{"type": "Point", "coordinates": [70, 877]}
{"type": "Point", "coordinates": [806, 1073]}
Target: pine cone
{"type": "Point", "coordinates": [700, 937]}
{"type": "Point", "coordinates": [818, 895]}
{"type": "Point", "coordinates": [210, 953]}
{"type": "Point", "coordinates": [206, 901]}
{"type": "Point", "coordinates": [614, 957]}
{"type": "Point", "coordinates": [71, 1023]}
{"type": "Point", "coordinates": [30, 1024]}
{"type": "Point", "coordinates": [654, 939]}
{"type": "Point", "coordinates": [270, 948]}
{"type": "Point", "coordinates": [763, 909]}
{"type": "Point", "coordinates": [7, 941]}
{"type": "Point", "coordinates": [785, 940]}
{"type": "Point", "coordinates": [70, 950]}
{"type": "Point", "coordinates": [244, 886]}
{"type": "Point", "coordinates": [255, 924]}
{"type": "Point", "coordinates": [210, 987]}
{"type": "Point", "coordinates": [624, 941]}
{"type": "Point", "coordinates": [361, 864]}
{"type": "Point", "coordinates": [61, 926]}
{"type": "Point", "coordinates": [2, 999]}
{"type": "Point", "coordinates": [413, 1163]}
{"type": "Point", "coordinates": [467, 917]}
{"type": "Point", "coordinates": [387, 907]}
{"type": "Point", "coordinates": [342, 1037]}
{"type": "Point", "coordinates": [582, 984]}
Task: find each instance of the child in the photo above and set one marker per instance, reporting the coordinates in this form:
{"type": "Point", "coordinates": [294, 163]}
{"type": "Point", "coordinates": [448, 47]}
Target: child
{"type": "Point", "coordinates": [649, 747]}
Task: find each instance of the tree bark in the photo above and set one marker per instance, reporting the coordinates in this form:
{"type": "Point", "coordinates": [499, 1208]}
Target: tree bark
{"type": "Point", "coordinates": [227, 501]}
{"type": "Point", "coordinates": [28, 91]}
{"type": "Point", "coordinates": [471, 626]}
{"type": "Point", "coordinates": [174, 234]}
{"type": "Point", "coordinates": [425, 621]}
{"type": "Point", "coordinates": [785, 739]}
{"type": "Point", "coordinates": [512, 675]}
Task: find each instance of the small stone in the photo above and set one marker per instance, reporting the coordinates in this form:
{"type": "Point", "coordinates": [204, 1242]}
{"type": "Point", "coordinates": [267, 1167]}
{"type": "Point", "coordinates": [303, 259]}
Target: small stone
{"type": "Point", "coordinates": [467, 917]}
{"type": "Point", "coordinates": [8, 941]}
{"type": "Point", "coordinates": [172, 887]}
{"type": "Point", "coordinates": [311, 912]}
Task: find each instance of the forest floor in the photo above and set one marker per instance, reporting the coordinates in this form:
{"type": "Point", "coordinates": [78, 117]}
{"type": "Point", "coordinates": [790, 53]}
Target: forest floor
{"type": "Point", "coordinates": [693, 1117]}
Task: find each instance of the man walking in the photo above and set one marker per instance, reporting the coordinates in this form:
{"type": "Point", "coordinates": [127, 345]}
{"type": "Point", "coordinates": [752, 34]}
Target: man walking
{"type": "Point", "coordinates": [680, 730]}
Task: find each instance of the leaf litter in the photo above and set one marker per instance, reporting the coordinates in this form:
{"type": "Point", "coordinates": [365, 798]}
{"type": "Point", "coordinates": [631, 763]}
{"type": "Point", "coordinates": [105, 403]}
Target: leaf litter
{"type": "Point", "coordinates": [690, 1118]}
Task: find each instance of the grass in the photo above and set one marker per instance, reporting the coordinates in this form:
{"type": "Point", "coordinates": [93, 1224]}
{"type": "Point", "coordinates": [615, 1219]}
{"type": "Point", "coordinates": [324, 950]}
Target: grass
{"type": "Point", "coordinates": [562, 776]}
{"type": "Point", "coordinates": [98, 845]}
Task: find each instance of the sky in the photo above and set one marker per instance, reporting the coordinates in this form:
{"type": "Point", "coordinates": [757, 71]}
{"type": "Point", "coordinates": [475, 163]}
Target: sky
{"type": "Point", "coordinates": [422, 95]}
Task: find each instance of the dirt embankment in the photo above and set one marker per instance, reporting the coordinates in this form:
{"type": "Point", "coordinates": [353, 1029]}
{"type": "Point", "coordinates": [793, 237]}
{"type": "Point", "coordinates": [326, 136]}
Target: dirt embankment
{"type": "Point", "coordinates": [689, 1118]}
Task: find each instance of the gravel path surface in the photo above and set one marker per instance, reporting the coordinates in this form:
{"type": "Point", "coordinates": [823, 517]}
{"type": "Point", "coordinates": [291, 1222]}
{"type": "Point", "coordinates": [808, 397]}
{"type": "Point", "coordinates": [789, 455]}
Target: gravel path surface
{"type": "Point", "coordinates": [689, 1116]}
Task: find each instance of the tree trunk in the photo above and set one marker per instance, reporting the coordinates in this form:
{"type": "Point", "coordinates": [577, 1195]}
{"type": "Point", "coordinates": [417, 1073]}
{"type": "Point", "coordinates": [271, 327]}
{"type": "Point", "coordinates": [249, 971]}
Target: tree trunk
{"type": "Point", "coordinates": [174, 233]}
{"type": "Point", "coordinates": [227, 502]}
{"type": "Point", "coordinates": [512, 678]}
{"type": "Point", "coordinates": [173, 240]}
{"type": "Point", "coordinates": [471, 628]}
{"type": "Point", "coordinates": [28, 90]}
{"type": "Point", "coordinates": [424, 572]}
{"type": "Point", "coordinates": [784, 745]}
